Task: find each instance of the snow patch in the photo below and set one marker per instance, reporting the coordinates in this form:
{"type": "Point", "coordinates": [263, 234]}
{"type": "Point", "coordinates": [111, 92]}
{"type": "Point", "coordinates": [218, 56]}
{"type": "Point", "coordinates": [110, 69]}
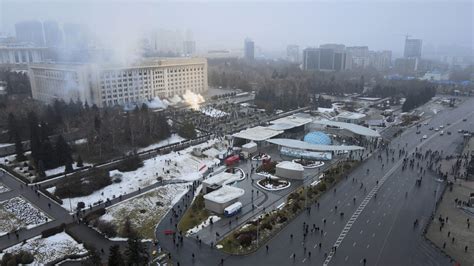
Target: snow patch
{"type": "Point", "coordinates": [200, 226]}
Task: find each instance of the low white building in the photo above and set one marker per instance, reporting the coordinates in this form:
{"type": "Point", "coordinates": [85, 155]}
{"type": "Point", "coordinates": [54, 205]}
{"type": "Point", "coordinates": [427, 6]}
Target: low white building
{"type": "Point", "coordinates": [291, 170]}
{"type": "Point", "coordinates": [350, 117]}
{"type": "Point", "coordinates": [217, 181]}
{"type": "Point", "coordinates": [250, 147]}
{"type": "Point", "coordinates": [220, 199]}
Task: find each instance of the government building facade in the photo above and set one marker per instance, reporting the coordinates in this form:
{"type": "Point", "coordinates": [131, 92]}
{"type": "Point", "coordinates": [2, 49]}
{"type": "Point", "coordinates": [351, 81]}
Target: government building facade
{"type": "Point", "coordinates": [108, 85]}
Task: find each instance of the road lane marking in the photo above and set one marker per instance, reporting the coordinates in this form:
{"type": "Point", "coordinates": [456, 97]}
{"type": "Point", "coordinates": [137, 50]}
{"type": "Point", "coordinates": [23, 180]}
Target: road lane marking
{"type": "Point", "coordinates": [361, 231]}
{"type": "Point", "coordinates": [347, 257]}
{"type": "Point", "coordinates": [368, 220]}
{"type": "Point", "coordinates": [368, 246]}
{"type": "Point", "coordinates": [373, 235]}
{"type": "Point", "coordinates": [354, 244]}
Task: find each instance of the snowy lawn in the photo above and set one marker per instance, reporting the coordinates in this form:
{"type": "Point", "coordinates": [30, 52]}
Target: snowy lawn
{"type": "Point", "coordinates": [145, 211]}
{"type": "Point", "coordinates": [61, 169]}
{"type": "Point", "coordinates": [16, 213]}
{"type": "Point", "coordinates": [3, 188]}
{"type": "Point", "coordinates": [174, 138]}
{"type": "Point", "coordinates": [181, 165]}
{"type": "Point", "coordinates": [18, 167]}
{"type": "Point", "coordinates": [200, 226]}
{"type": "Point", "coordinates": [212, 112]}
{"type": "Point", "coordinates": [49, 249]}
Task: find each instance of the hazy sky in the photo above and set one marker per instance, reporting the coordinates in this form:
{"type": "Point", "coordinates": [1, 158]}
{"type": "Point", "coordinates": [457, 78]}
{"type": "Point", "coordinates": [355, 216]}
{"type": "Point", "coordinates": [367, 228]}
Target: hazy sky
{"type": "Point", "coordinates": [272, 24]}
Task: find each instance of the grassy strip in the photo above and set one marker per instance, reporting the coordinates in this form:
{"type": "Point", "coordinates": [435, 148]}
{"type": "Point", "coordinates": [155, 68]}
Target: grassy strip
{"type": "Point", "coordinates": [194, 215]}
{"type": "Point", "coordinates": [244, 240]}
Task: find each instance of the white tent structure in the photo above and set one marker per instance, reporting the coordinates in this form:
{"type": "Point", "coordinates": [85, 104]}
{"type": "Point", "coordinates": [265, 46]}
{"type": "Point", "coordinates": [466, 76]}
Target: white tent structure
{"type": "Point", "coordinates": [356, 129]}
{"type": "Point", "coordinates": [302, 145]}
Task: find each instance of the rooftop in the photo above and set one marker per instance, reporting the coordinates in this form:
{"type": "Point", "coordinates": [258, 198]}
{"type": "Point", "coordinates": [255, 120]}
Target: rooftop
{"type": "Point", "coordinates": [289, 122]}
{"type": "Point", "coordinates": [222, 178]}
{"type": "Point", "coordinates": [290, 165]}
{"type": "Point", "coordinates": [350, 115]}
{"type": "Point", "coordinates": [257, 133]}
{"type": "Point", "coordinates": [225, 194]}
{"type": "Point", "coordinates": [298, 144]}
{"type": "Point", "coordinates": [356, 129]}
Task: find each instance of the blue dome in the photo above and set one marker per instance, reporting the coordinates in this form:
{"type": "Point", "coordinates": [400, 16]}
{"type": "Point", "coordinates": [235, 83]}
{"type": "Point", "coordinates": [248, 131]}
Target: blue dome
{"type": "Point", "coordinates": [317, 137]}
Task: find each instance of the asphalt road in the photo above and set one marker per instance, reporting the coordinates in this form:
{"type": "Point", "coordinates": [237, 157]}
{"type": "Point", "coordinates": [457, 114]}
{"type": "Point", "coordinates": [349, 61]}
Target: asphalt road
{"type": "Point", "coordinates": [382, 231]}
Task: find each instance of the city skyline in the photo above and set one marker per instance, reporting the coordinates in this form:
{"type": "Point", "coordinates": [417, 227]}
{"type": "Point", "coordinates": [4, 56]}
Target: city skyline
{"type": "Point", "coordinates": [306, 24]}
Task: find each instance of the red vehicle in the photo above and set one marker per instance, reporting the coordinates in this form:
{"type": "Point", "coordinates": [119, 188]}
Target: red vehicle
{"type": "Point", "coordinates": [168, 232]}
{"type": "Point", "coordinates": [232, 160]}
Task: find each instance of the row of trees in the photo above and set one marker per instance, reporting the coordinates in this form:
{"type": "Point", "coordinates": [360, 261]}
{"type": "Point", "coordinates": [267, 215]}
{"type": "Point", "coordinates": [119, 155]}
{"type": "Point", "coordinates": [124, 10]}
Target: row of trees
{"type": "Point", "coordinates": [418, 98]}
{"type": "Point", "coordinates": [108, 131]}
{"type": "Point", "coordinates": [17, 82]}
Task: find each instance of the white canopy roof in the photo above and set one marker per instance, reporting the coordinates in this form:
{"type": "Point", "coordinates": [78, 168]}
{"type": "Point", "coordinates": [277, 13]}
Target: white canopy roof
{"type": "Point", "coordinates": [225, 194]}
{"type": "Point", "coordinates": [289, 122]}
{"type": "Point", "coordinates": [257, 133]}
{"type": "Point", "coordinates": [356, 129]}
{"type": "Point", "coordinates": [290, 165]}
{"type": "Point", "coordinates": [298, 144]}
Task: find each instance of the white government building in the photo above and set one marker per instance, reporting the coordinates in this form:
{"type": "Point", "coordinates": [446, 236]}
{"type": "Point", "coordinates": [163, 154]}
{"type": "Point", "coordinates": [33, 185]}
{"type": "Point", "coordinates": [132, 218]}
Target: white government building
{"type": "Point", "coordinates": [106, 84]}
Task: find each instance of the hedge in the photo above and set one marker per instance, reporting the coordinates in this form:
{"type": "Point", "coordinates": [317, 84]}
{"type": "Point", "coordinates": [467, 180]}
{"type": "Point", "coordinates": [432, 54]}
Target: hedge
{"type": "Point", "coordinates": [52, 231]}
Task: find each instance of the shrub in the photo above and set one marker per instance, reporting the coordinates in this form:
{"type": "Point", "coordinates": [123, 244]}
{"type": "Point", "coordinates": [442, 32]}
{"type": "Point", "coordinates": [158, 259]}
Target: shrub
{"type": "Point", "coordinates": [295, 207]}
{"type": "Point", "coordinates": [107, 228]}
{"type": "Point", "coordinates": [22, 257]}
{"type": "Point", "coordinates": [80, 205]}
{"type": "Point", "coordinates": [322, 187]}
{"type": "Point", "coordinates": [131, 163]}
{"type": "Point", "coordinates": [329, 179]}
{"type": "Point", "coordinates": [52, 231]}
{"type": "Point", "coordinates": [245, 239]}
{"type": "Point", "coordinates": [78, 186]}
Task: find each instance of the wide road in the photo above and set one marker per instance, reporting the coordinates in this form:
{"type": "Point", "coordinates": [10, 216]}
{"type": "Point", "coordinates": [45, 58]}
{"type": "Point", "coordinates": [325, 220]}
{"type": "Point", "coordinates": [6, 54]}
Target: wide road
{"type": "Point", "coordinates": [378, 226]}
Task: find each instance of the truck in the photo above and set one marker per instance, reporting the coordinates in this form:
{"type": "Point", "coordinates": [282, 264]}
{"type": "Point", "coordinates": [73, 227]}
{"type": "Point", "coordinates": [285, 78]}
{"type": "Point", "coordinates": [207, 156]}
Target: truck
{"type": "Point", "coordinates": [233, 209]}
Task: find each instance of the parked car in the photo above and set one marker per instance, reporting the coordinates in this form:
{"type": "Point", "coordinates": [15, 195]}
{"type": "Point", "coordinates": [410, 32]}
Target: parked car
{"type": "Point", "coordinates": [449, 132]}
{"type": "Point", "coordinates": [425, 136]}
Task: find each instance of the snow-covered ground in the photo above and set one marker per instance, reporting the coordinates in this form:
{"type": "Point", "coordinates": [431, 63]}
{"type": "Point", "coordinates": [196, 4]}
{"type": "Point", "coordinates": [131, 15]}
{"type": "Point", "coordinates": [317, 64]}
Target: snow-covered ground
{"type": "Point", "coordinates": [17, 212]}
{"type": "Point", "coordinates": [212, 112]}
{"type": "Point", "coordinates": [200, 226]}
{"type": "Point", "coordinates": [61, 169]}
{"type": "Point", "coordinates": [3, 188]}
{"type": "Point", "coordinates": [145, 211]}
{"type": "Point", "coordinates": [5, 144]}
{"type": "Point", "coordinates": [174, 138]}
{"type": "Point", "coordinates": [48, 249]}
{"type": "Point", "coordinates": [180, 165]}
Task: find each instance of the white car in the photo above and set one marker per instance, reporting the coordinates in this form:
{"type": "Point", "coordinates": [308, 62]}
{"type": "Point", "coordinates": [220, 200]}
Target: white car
{"type": "Point", "coordinates": [436, 129]}
{"type": "Point", "coordinates": [441, 126]}
{"type": "Point", "coordinates": [425, 136]}
{"type": "Point", "coordinates": [441, 133]}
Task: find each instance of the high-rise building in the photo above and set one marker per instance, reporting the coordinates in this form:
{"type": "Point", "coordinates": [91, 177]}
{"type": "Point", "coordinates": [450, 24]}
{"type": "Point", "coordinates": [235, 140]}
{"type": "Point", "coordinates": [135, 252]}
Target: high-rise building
{"type": "Point", "coordinates": [412, 48]}
{"type": "Point", "coordinates": [52, 34]}
{"type": "Point", "coordinates": [249, 49]}
{"type": "Point", "coordinates": [106, 85]}
{"type": "Point", "coordinates": [325, 59]}
{"type": "Point", "coordinates": [189, 47]}
{"type": "Point", "coordinates": [30, 32]}
{"type": "Point", "coordinates": [293, 53]}
{"type": "Point", "coordinates": [75, 36]}
{"type": "Point", "coordinates": [359, 55]}
{"type": "Point", "coordinates": [311, 59]}
{"type": "Point", "coordinates": [380, 60]}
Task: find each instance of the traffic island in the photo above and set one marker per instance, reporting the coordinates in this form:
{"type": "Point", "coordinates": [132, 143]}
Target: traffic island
{"type": "Point", "coordinates": [256, 232]}
{"type": "Point", "coordinates": [195, 215]}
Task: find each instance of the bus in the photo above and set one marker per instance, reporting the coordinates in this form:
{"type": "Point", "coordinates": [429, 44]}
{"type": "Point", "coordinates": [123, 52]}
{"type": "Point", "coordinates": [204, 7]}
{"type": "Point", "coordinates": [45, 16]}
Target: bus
{"type": "Point", "coordinates": [233, 209]}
